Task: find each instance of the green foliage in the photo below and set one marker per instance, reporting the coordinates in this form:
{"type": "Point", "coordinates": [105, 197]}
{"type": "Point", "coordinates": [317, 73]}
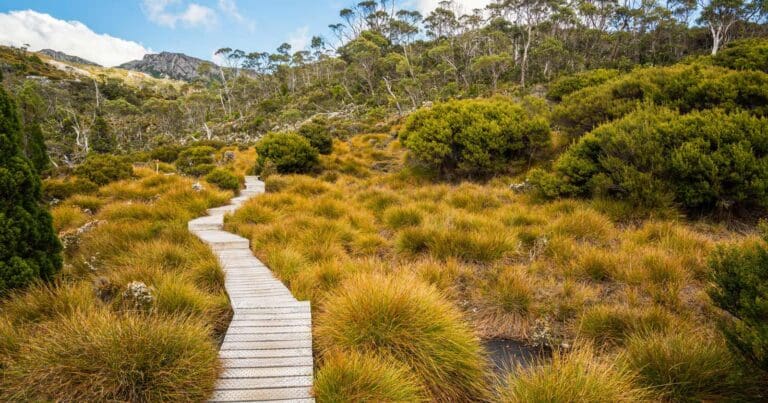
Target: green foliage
{"type": "Point", "coordinates": [63, 189]}
{"type": "Point", "coordinates": [704, 160]}
{"type": "Point", "coordinates": [102, 139]}
{"type": "Point", "coordinates": [34, 147]}
{"type": "Point", "coordinates": [681, 87]}
{"type": "Point", "coordinates": [103, 169]}
{"type": "Point", "coordinates": [166, 153]}
{"type": "Point", "coordinates": [740, 287]}
{"type": "Point", "coordinates": [319, 135]}
{"type": "Point", "coordinates": [475, 137]}
{"type": "Point", "coordinates": [196, 161]}
{"type": "Point", "coordinates": [224, 179]}
{"type": "Point", "coordinates": [572, 83]}
{"type": "Point", "coordinates": [288, 152]}
{"type": "Point", "coordinates": [30, 246]}
{"type": "Point", "coordinates": [749, 54]}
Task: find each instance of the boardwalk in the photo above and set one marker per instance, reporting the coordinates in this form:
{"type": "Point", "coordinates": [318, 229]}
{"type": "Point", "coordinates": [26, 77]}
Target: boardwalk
{"type": "Point", "coordinates": [267, 351]}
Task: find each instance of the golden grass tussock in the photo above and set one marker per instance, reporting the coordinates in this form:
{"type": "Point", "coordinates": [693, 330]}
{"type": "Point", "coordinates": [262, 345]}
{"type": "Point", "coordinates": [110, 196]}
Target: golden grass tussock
{"type": "Point", "coordinates": [103, 357]}
{"type": "Point", "coordinates": [687, 365]}
{"type": "Point", "coordinates": [409, 321]}
{"type": "Point", "coordinates": [609, 325]}
{"type": "Point", "coordinates": [354, 377]}
{"type": "Point", "coordinates": [68, 218]}
{"type": "Point", "coordinates": [85, 202]}
{"type": "Point", "coordinates": [577, 376]}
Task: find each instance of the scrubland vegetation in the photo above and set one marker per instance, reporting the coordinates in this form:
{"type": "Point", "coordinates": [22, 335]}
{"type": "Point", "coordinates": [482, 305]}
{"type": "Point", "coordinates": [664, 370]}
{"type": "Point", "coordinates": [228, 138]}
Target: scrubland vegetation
{"type": "Point", "coordinates": [424, 194]}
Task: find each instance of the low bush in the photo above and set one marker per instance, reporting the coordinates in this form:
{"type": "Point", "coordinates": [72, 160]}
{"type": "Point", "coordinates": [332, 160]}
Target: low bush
{"type": "Point", "coordinates": [578, 376]}
{"type": "Point", "coordinates": [103, 357]}
{"type": "Point", "coordinates": [196, 161]}
{"type": "Point", "coordinates": [102, 169]}
{"type": "Point", "coordinates": [682, 87]}
{"type": "Point", "coordinates": [475, 137]}
{"type": "Point", "coordinates": [61, 189]}
{"type": "Point", "coordinates": [354, 377]}
{"type": "Point", "coordinates": [739, 277]}
{"type": "Point", "coordinates": [686, 366]}
{"type": "Point", "coordinates": [574, 82]}
{"type": "Point", "coordinates": [704, 160]}
{"type": "Point", "coordinates": [319, 135]}
{"type": "Point", "coordinates": [224, 179]}
{"type": "Point", "coordinates": [166, 153]}
{"type": "Point", "coordinates": [409, 321]}
{"type": "Point", "coordinates": [288, 152]}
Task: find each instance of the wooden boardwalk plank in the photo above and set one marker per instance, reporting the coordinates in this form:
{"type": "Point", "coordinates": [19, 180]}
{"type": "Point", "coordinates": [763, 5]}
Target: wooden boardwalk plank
{"type": "Point", "coordinates": [267, 350]}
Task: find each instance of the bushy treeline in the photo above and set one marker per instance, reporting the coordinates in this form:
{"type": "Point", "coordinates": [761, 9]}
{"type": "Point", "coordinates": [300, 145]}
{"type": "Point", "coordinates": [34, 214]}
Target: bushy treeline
{"type": "Point", "coordinates": [380, 60]}
{"type": "Point", "coordinates": [683, 87]}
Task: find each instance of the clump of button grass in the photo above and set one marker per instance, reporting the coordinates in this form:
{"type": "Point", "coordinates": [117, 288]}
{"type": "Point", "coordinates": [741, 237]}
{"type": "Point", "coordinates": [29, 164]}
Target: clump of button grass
{"type": "Point", "coordinates": [100, 356]}
{"type": "Point", "coordinates": [578, 376]}
{"type": "Point", "coordinates": [355, 377]}
{"type": "Point", "coordinates": [411, 322]}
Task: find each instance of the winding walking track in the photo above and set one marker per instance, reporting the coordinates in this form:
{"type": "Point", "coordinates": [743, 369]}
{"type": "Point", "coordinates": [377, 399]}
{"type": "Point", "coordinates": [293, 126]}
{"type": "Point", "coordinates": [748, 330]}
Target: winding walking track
{"type": "Point", "coordinates": [267, 351]}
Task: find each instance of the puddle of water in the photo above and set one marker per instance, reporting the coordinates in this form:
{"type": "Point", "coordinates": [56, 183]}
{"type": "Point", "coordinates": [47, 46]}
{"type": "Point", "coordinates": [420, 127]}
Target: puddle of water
{"type": "Point", "coordinates": [505, 355]}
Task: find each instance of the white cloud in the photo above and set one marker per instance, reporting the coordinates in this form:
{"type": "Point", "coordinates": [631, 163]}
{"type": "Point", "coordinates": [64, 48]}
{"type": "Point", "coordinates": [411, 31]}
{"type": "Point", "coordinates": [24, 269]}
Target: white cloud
{"type": "Point", "coordinates": [41, 31]}
{"type": "Point", "coordinates": [465, 6]}
{"type": "Point", "coordinates": [230, 8]}
{"type": "Point", "coordinates": [299, 39]}
{"type": "Point", "coordinates": [170, 13]}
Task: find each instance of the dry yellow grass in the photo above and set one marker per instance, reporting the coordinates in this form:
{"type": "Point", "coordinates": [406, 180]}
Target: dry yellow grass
{"type": "Point", "coordinates": [82, 339]}
{"type": "Point", "coordinates": [516, 267]}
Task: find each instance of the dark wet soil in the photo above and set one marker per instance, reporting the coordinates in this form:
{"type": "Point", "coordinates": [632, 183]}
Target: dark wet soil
{"type": "Point", "coordinates": [506, 355]}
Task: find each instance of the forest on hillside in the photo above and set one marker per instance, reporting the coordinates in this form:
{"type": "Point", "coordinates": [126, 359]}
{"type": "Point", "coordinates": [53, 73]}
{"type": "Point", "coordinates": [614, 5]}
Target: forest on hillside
{"type": "Point", "coordinates": [380, 61]}
{"type": "Point", "coordinates": [586, 181]}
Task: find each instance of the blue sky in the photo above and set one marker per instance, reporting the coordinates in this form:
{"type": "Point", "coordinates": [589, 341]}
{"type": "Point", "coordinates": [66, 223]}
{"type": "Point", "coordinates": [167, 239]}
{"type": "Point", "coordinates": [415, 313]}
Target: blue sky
{"type": "Point", "coordinates": [114, 31]}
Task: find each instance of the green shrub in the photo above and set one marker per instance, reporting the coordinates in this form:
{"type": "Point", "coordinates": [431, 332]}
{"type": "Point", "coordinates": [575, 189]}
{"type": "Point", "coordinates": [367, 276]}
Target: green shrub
{"type": "Point", "coordinates": [166, 153]}
{"type": "Point", "coordinates": [474, 137]}
{"type": "Point", "coordinates": [680, 87]}
{"type": "Point", "coordinates": [740, 287]}
{"type": "Point", "coordinates": [103, 169]}
{"type": "Point", "coordinates": [319, 135]}
{"type": "Point", "coordinates": [64, 188]}
{"type": "Point", "coordinates": [410, 322]}
{"type": "Point", "coordinates": [747, 54]}
{"type": "Point", "coordinates": [30, 249]}
{"type": "Point", "coordinates": [572, 83]}
{"type": "Point", "coordinates": [103, 357]}
{"type": "Point", "coordinates": [102, 139]}
{"type": "Point", "coordinates": [288, 152]}
{"type": "Point", "coordinates": [224, 179]}
{"type": "Point", "coordinates": [353, 377]}
{"type": "Point", "coordinates": [34, 147]}
{"type": "Point", "coordinates": [704, 160]}
{"type": "Point", "coordinates": [196, 161]}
